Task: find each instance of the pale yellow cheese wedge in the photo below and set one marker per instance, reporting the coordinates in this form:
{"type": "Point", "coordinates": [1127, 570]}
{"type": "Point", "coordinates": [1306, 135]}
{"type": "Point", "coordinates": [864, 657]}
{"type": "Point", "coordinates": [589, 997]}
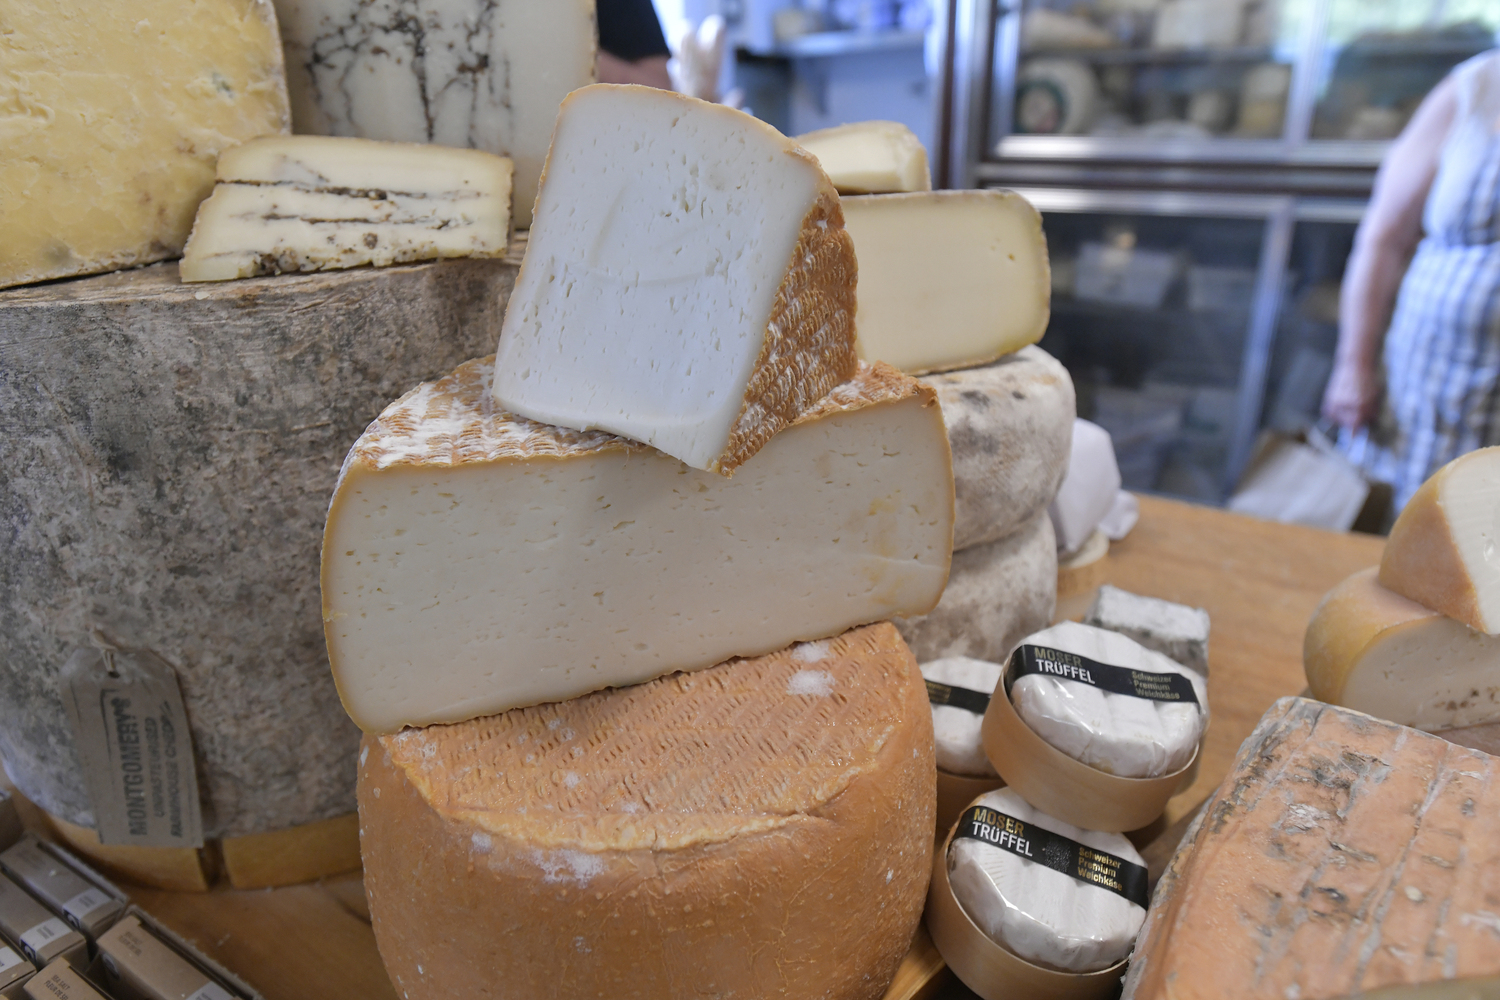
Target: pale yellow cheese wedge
{"type": "Point", "coordinates": [870, 157]}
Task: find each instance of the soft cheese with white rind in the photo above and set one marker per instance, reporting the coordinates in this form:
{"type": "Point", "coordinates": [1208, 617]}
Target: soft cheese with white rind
{"type": "Point", "coordinates": [1089, 486]}
{"type": "Point", "coordinates": [1043, 915]}
{"type": "Point", "coordinates": [475, 561]}
{"type": "Point", "coordinates": [1010, 425]}
{"type": "Point", "coordinates": [874, 157]}
{"type": "Point", "coordinates": [956, 730]}
{"type": "Point", "coordinates": [948, 279]}
{"type": "Point", "coordinates": [1118, 734]}
{"type": "Point", "coordinates": [688, 282]}
{"type": "Point", "coordinates": [286, 204]}
{"type": "Point", "coordinates": [1376, 652]}
{"type": "Point", "coordinates": [1176, 631]}
{"type": "Point", "coordinates": [759, 829]}
{"type": "Point", "coordinates": [1444, 549]}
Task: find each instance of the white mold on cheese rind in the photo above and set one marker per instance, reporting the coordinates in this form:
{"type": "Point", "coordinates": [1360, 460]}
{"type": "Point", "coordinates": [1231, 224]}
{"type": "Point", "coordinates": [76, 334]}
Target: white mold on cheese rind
{"type": "Point", "coordinates": [960, 750]}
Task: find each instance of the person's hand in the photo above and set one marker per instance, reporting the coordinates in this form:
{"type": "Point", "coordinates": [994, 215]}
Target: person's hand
{"type": "Point", "coordinates": [1352, 395]}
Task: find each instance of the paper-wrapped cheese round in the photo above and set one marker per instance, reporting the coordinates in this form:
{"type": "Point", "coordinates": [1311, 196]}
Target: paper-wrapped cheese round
{"type": "Point", "coordinates": [1117, 733]}
{"type": "Point", "coordinates": [959, 688]}
{"type": "Point", "coordinates": [1043, 915]}
{"type": "Point", "coordinates": [1010, 425]}
{"type": "Point", "coordinates": [760, 828]}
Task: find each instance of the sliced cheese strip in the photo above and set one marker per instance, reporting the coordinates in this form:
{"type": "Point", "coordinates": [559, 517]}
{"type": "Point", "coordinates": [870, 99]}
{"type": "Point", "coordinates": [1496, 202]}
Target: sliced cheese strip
{"type": "Point", "coordinates": [1374, 651]}
{"type": "Point", "coordinates": [114, 113]}
{"type": "Point", "coordinates": [1176, 631]}
{"type": "Point", "coordinates": [948, 279]}
{"type": "Point", "coordinates": [1444, 550]}
{"type": "Point", "coordinates": [1042, 915]}
{"type": "Point", "coordinates": [311, 203]}
{"type": "Point", "coordinates": [996, 595]}
{"type": "Point", "coordinates": [1118, 734]}
{"type": "Point", "coordinates": [874, 157]}
{"type": "Point", "coordinates": [759, 829]}
{"type": "Point", "coordinates": [1341, 854]}
{"type": "Point", "coordinates": [688, 281]}
{"type": "Point", "coordinates": [475, 561]}
{"type": "Point", "coordinates": [1010, 425]}
{"type": "Point", "coordinates": [956, 730]}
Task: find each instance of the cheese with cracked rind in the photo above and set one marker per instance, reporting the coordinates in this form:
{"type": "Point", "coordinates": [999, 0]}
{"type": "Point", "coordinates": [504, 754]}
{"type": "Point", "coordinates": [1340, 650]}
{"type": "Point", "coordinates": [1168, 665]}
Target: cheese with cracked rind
{"type": "Point", "coordinates": [688, 282]}
{"type": "Point", "coordinates": [761, 828]}
{"type": "Point", "coordinates": [874, 157]}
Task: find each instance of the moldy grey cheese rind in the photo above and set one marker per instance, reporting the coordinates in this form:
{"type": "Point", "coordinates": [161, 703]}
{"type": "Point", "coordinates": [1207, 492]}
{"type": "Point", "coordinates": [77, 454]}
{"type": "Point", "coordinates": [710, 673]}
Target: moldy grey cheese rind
{"type": "Point", "coordinates": [759, 829]}
{"type": "Point", "coordinates": [1176, 631]}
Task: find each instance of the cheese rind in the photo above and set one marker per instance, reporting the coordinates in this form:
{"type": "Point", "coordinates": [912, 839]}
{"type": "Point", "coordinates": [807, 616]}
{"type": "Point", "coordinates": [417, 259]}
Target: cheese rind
{"type": "Point", "coordinates": [762, 828]}
{"type": "Point", "coordinates": [1442, 550]}
{"type": "Point", "coordinates": [312, 203]}
{"type": "Point", "coordinates": [1177, 631]}
{"type": "Point", "coordinates": [1374, 651]}
{"type": "Point", "coordinates": [537, 563]}
{"type": "Point", "coordinates": [948, 279]}
{"type": "Point", "coordinates": [114, 114]}
{"type": "Point", "coordinates": [1089, 486]}
{"type": "Point", "coordinates": [960, 750]}
{"type": "Point", "coordinates": [874, 157]}
{"type": "Point", "coordinates": [688, 282]}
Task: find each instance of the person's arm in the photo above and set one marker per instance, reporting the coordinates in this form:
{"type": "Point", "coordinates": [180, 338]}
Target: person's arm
{"type": "Point", "coordinates": [632, 48]}
{"type": "Point", "coordinates": [1383, 246]}
{"type": "Point", "coordinates": [650, 71]}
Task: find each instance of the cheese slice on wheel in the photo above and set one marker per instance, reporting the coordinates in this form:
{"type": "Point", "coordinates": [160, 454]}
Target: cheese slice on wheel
{"type": "Point", "coordinates": [872, 157]}
{"type": "Point", "coordinates": [475, 561]}
{"type": "Point", "coordinates": [759, 829]}
{"type": "Point", "coordinates": [688, 282]}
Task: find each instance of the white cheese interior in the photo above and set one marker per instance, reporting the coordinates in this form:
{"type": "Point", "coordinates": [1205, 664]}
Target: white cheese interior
{"type": "Point", "coordinates": [1432, 674]}
{"type": "Point", "coordinates": [874, 157]}
{"type": "Point", "coordinates": [1115, 733]}
{"type": "Point", "coordinates": [956, 730]}
{"type": "Point", "coordinates": [663, 231]}
{"type": "Point", "coordinates": [1043, 915]}
{"type": "Point", "coordinates": [1470, 498]}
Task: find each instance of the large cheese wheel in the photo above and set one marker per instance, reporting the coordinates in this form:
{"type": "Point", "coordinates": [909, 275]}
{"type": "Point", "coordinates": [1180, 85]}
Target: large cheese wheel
{"type": "Point", "coordinates": [758, 829]}
{"type": "Point", "coordinates": [997, 595]}
{"type": "Point", "coordinates": [168, 459]}
{"type": "Point", "coordinates": [1010, 425]}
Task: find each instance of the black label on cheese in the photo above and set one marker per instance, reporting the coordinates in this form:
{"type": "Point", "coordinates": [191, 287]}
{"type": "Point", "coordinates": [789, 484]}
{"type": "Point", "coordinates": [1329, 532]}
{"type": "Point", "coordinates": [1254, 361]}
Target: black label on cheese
{"type": "Point", "coordinates": [1049, 662]}
{"type": "Point", "coordinates": [1053, 850]}
{"type": "Point", "coordinates": [965, 698]}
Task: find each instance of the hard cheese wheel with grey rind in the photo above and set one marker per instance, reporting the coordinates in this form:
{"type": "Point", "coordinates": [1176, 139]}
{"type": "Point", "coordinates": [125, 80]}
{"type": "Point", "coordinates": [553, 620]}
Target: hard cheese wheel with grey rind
{"type": "Point", "coordinates": [997, 594]}
{"type": "Point", "coordinates": [1010, 425]}
{"type": "Point", "coordinates": [762, 828]}
{"type": "Point", "coordinates": [168, 459]}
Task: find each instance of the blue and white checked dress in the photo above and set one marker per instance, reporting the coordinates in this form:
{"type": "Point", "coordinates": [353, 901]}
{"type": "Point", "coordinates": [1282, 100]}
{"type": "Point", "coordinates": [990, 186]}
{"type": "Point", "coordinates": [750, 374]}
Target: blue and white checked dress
{"type": "Point", "coordinates": [1442, 351]}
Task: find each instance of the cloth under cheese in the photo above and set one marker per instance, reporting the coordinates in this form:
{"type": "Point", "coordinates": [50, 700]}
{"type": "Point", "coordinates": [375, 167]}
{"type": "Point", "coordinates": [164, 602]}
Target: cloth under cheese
{"type": "Point", "coordinates": [1045, 916]}
{"type": "Point", "coordinates": [1118, 734]}
{"type": "Point", "coordinates": [956, 728]}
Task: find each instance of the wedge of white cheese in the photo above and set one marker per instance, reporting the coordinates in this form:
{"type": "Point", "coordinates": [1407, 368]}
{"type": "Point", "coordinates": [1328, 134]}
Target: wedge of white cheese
{"type": "Point", "coordinates": [1176, 631]}
{"type": "Point", "coordinates": [1118, 734]}
{"type": "Point", "coordinates": [955, 729]}
{"type": "Point", "coordinates": [948, 279]}
{"type": "Point", "coordinates": [874, 157]}
{"type": "Point", "coordinates": [688, 282]}
{"type": "Point", "coordinates": [285, 204]}
{"type": "Point", "coordinates": [475, 561]}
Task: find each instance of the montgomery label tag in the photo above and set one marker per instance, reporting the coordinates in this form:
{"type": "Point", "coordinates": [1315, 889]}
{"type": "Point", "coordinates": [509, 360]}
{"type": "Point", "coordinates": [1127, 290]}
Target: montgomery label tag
{"type": "Point", "coordinates": [134, 745]}
{"type": "Point", "coordinates": [965, 698]}
{"type": "Point", "coordinates": [1053, 850]}
{"type": "Point", "coordinates": [1049, 662]}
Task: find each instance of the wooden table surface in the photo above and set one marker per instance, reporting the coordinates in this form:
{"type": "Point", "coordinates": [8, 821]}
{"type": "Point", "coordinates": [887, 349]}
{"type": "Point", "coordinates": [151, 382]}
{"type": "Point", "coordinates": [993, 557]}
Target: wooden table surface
{"type": "Point", "coordinates": [1259, 582]}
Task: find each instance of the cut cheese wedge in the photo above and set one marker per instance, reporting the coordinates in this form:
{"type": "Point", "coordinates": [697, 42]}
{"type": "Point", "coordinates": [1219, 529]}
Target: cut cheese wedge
{"type": "Point", "coordinates": [948, 279]}
{"type": "Point", "coordinates": [1377, 652]}
{"type": "Point", "coordinates": [1444, 549]}
{"type": "Point", "coordinates": [286, 204]}
{"type": "Point", "coordinates": [475, 561]}
{"type": "Point", "coordinates": [872, 157]}
{"type": "Point", "coordinates": [688, 281]}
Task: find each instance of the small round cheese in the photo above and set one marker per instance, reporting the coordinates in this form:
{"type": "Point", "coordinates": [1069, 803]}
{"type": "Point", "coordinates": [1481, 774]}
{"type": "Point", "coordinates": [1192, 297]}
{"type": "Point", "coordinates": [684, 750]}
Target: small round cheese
{"type": "Point", "coordinates": [1116, 733]}
{"type": "Point", "coordinates": [956, 730]}
{"type": "Point", "coordinates": [1043, 915]}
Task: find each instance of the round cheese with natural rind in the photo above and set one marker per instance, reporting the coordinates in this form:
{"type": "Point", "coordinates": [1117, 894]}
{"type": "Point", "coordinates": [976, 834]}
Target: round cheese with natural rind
{"type": "Point", "coordinates": [1119, 734]}
{"type": "Point", "coordinates": [1042, 915]}
{"type": "Point", "coordinates": [955, 730]}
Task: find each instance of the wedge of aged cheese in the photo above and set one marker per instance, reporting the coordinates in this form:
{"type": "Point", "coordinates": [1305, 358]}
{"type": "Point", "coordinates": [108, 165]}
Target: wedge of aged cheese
{"type": "Point", "coordinates": [1442, 551]}
{"type": "Point", "coordinates": [688, 282]}
{"type": "Point", "coordinates": [1176, 631]}
{"type": "Point", "coordinates": [948, 279]}
{"type": "Point", "coordinates": [997, 594]}
{"type": "Point", "coordinates": [1010, 425]}
{"type": "Point", "coordinates": [458, 73]}
{"type": "Point", "coordinates": [872, 157]}
{"type": "Point", "coordinates": [1374, 651]}
{"type": "Point", "coordinates": [1043, 915]}
{"type": "Point", "coordinates": [955, 726]}
{"type": "Point", "coordinates": [759, 829]}
{"type": "Point", "coordinates": [1341, 854]}
{"type": "Point", "coordinates": [114, 112]}
{"type": "Point", "coordinates": [537, 564]}
{"type": "Point", "coordinates": [285, 204]}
